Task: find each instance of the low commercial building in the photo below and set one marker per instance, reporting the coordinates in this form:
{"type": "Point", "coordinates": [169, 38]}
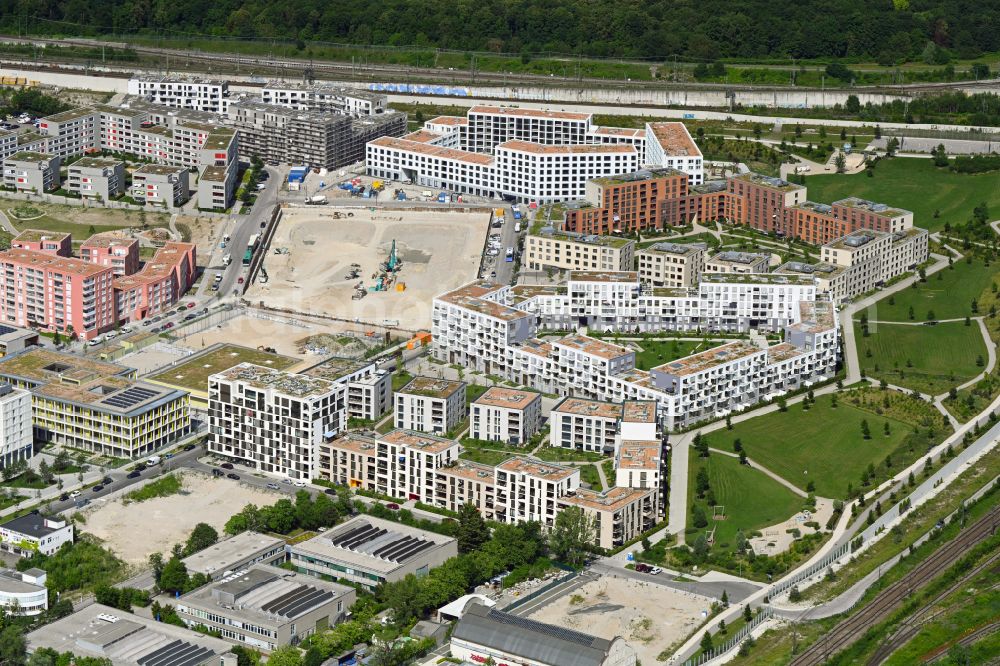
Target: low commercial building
{"type": "Point", "coordinates": [369, 551]}
{"type": "Point", "coordinates": [100, 178]}
{"type": "Point", "coordinates": [484, 634]}
{"type": "Point", "coordinates": [550, 249]}
{"type": "Point", "coordinates": [16, 435]}
{"type": "Point", "coordinates": [430, 405]}
{"type": "Point", "coordinates": [102, 632]}
{"type": "Point", "coordinates": [506, 415]}
{"type": "Point", "coordinates": [619, 514]}
{"type": "Point", "coordinates": [161, 185]}
{"type": "Point", "coordinates": [673, 265]}
{"type": "Point", "coordinates": [23, 592]}
{"type": "Point", "coordinates": [32, 172]}
{"type": "Point", "coordinates": [585, 425]}
{"type": "Point", "coordinates": [273, 421]}
{"type": "Point", "coordinates": [34, 533]}
{"type": "Point", "coordinates": [14, 340]}
{"type": "Point", "coordinates": [730, 262]}
{"type": "Point", "coordinates": [266, 607]}
{"type": "Point", "coordinates": [239, 552]}
{"type": "Point", "coordinates": [369, 390]}
{"type": "Point", "coordinates": [95, 405]}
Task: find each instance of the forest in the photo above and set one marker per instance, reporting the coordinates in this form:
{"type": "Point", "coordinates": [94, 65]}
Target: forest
{"type": "Point", "coordinates": [698, 31]}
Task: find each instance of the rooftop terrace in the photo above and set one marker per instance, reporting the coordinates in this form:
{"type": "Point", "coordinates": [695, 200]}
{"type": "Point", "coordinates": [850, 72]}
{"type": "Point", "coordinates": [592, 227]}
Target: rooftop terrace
{"type": "Point", "coordinates": [298, 386]}
{"type": "Point", "coordinates": [430, 387]}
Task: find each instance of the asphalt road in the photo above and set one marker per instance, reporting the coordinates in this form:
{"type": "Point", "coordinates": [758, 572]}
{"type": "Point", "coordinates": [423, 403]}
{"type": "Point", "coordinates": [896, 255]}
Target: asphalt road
{"type": "Point", "coordinates": [735, 591]}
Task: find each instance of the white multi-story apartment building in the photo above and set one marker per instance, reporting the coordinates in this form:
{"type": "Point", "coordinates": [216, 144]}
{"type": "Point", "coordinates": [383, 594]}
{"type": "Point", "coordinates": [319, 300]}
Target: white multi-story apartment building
{"type": "Point", "coordinates": [183, 93]}
{"type": "Point", "coordinates": [32, 172]}
{"type": "Point", "coordinates": [619, 514]}
{"type": "Point", "coordinates": [161, 185]}
{"type": "Point", "coordinates": [485, 327]}
{"type": "Point", "coordinates": [585, 425]}
{"type": "Point", "coordinates": [324, 97]}
{"type": "Point", "coordinates": [550, 249]}
{"type": "Point", "coordinates": [369, 390]}
{"type": "Point", "coordinates": [673, 265]}
{"type": "Point", "coordinates": [642, 464]}
{"type": "Point", "coordinates": [505, 415]}
{"type": "Point", "coordinates": [739, 263]}
{"type": "Point", "coordinates": [529, 490]}
{"type": "Point", "coordinates": [468, 482]}
{"type": "Point", "coordinates": [273, 421]}
{"type": "Point", "coordinates": [16, 435]}
{"type": "Point", "coordinates": [528, 154]}
{"type": "Point", "coordinates": [8, 144]}
{"type": "Point", "coordinates": [96, 178]}
{"type": "Point", "coordinates": [433, 405]}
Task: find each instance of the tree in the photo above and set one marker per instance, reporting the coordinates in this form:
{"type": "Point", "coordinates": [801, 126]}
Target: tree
{"type": "Point", "coordinates": [701, 482]}
{"type": "Point", "coordinates": [865, 430]}
{"type": "Point", "coordinates": [174, 577]}
{"type": "Point", "coordinates": [840, 162]}
{"type": "Point", "coordinates": [286, 655]}
{"type": "Point", "coordinates": [572, 533]}
{"type": "Point", "coordinates": [313, 657]}
{"type": "Point", "coordinates": [698, 518]}
{"type": "Point", "coordinates": [747, 613]}
{"type": "Point", "coordinates": [743, 458]}
{"type": "Point", "coordinates": [737, 445]}
{"type": "Point", "coordinates": [156, 564]}
{"type": "Point", "coordinates": [741, 541]}
{"type": "Point", "coordinates": [940, 156]}
{"type": "Point", "coordinates": [853, 106]}
{"type": "Point", "coordinates": [472, 529]}
{"type": "Point", "coordinates": [706, 642]}
{"type": "Point", "coordinates": [725, 598]}
{"type": "Point", "coordinates": [891, 146]}
{"type": "Point", "coordinates": [202, 536]}
{"type": "Point", "coordinates": [13, 648]}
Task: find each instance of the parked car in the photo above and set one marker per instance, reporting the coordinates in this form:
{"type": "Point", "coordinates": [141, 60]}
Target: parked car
{"type": "Point", "coordinates": [655, 570]}
{"type": "Point", "coordinates": [287, 481]}
{"type": "Point", "coordinates": [227, 466]}
{"type": "Point", "coordinates": [190, 305]}
{"type": "Point", "coordinates": [75, 493]}
{"type": "Point", "coordinates": [107, 480]}
{"type": "Point", "coordinates": [218, 472]}
{"type": "Point", "coordinates": [273, 486]}
{"type": "Point", "coordinates": [133, 475]}
{"type": "Point", "coordinates": [98, 488]}
{"type": "Point", "coordinates": [240, 281]}
{"type": "Point", "coordinates": [392, 506]}
{"type": "Point", "coordinates": [641, 567]}
{"type": "Point", "coordinates": [169, 324]}
{"type": "Point", "coordinates": [190, 317]}
{"type": "Point", "coordinates": [64, 497]}
{"type": "Point", "coordinates": [299, 483]}
{"type": "Point", "coordinates": [330, 491]}
{"type": "Point", "coordinates": [234, 477]}
{"type": "Point", "coordinates": [189, 447]}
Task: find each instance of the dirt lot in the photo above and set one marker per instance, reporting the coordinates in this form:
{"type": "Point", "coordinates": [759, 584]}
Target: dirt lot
{"type": "Point", "coordinates": [135, 531]}
{"type": "Point", "coordinates": [440, 251]}
{"type": "Point", "coordinates": [649, 616]}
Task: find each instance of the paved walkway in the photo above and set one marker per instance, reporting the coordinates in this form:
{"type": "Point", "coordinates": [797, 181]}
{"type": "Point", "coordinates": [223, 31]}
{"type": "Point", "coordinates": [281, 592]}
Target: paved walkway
{"type": "Point", "coordinates": [755, 465]}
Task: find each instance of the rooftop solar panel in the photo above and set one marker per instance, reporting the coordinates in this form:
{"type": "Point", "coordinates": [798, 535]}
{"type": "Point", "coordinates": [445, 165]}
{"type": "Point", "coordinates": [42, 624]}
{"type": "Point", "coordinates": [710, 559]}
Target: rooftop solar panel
{"type": "Point", "coordinates": [365, 538]}
{"type": "Point", "coordinates": [411, 550]}
{"type": "Point", "coordinates": [337, 539]}
{"type": "Point", "coordinates": [316, 598]}
{"type": "Point", "coordinates": [130, 397]}
{"type": "Point", "coordinates": [155, 655]}
{"type": "Point", "coordinates": [391, 546]}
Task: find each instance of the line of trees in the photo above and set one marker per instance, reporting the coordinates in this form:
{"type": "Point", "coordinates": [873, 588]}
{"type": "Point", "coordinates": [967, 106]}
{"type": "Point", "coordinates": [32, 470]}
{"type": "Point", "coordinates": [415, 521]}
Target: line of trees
{"type": "Point", "coordinates": [705, 31]}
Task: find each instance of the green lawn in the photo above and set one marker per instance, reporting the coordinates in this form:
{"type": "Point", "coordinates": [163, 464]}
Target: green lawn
{"type": "Point", "coordinates": [948, 293]}
{"type": "Point", "coordinates": [193, 373]}
{"type": "Point", "coordinates": [930, 359]}
{"type": "Point", "coordinates": [590, 476]}
{"type": "Point", "coordinates": [823, 445]}
{"type": "Point", "coordinates": [914, 184]}
{"type": "Point", "coordinates": [558, 454]}
{"type": "Point", "coordinates": [485, 456]}
{"type": "Point", "coordinates": [657, 352]}
{"type": "Point", "coordinates": [752, 499]}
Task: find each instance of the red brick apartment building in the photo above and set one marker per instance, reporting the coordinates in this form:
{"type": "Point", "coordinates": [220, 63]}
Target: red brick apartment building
{"type": "Point", "coordinates": [628, 202]}
{"type": "Point", "coordinates": [760, 202]}
{"type": "Point", "coordinates": [43, 286]}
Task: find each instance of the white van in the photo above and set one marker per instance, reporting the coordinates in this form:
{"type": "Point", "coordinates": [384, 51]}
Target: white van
{"type": "Point", "coordinates": [153, 460]}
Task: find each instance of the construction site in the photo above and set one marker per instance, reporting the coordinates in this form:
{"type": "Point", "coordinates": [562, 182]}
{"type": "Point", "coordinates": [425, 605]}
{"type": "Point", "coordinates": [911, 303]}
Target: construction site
{"type": "Point", "coordinates": [369, 265]}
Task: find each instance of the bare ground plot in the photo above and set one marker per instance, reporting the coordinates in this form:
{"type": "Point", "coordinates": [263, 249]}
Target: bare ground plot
{"type": "Point", "coordinates": [440, 251]}
{"type": "Point", "coordinates": [139, 529]}
{"type": "Point", "coordinates": [649, 617]}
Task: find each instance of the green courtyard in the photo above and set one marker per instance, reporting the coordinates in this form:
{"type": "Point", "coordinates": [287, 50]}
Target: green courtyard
{"type": "Point", "coordinates": [914, 184]}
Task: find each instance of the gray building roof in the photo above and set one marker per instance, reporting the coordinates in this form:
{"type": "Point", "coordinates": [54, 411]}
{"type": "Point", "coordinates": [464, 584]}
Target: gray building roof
{"type": "Point", "coordinates": [33, 525]}
{"type": "Point", "coordinates": [530, 639]}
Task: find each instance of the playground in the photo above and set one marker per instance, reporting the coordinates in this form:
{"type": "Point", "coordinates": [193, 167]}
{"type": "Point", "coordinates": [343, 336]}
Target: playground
{"type": "Point", "coordinates": [378, 266]}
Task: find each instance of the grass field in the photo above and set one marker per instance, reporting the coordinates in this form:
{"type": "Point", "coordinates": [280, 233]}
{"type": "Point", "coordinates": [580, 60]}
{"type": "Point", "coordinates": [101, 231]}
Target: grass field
{"type": "Point", "coordinates": [948, 293]}
{"type": "Point", "coordinates": [193, 374]}
{"type": "Point", "coordinates": [930, 359]}
{"type": "Point", "coordinates": [752, 499]}
{"type": "Point", "coordinates": [823, 445]}
{"type": "Point", "coordinates": [658, 352]}
{"type": "Point", "coordinates": [914, 184]}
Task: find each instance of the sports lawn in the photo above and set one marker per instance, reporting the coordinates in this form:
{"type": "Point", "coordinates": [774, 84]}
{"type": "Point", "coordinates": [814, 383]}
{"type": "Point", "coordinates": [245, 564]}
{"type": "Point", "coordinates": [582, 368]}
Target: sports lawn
{"type": "Point", "coordinates": [948, 293]}
{"type": "Point", "coordinates": [193, 373]}
{"type": "Point", "coordinates": [752, 499]}
{"type": "Point", "coordinates": [914, 184]}
{"type": "Point", "coordinates": [823, 445]}
{"type": "Point", "coordinates": [930, 359]}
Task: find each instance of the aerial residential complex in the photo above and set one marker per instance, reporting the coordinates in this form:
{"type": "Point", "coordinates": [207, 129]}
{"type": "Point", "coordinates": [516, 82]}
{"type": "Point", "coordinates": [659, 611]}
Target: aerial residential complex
{"type": "Point", "coordinates": [672, 264]}
{"type": "Point", "coordinates": [46, 287]}
{"type": "Point", "coordinates": [96, 406]}
{"type": "Point", "coordinates": [560, 250]}
{"type": "Point", "coordinates": [16, 437]}
{"type": "Point", "coordinates": [495, 330]}
{"type": "Point", "coordinates": [529, 155]}
{"type": "Point", "coordinates": [185, 93]}
{"type": "Point", "coordinates": [430, 405]}
{"type": "Point", "coordinates": [324, 97]}
{"type": "Point", "coordinates": [505, 415]}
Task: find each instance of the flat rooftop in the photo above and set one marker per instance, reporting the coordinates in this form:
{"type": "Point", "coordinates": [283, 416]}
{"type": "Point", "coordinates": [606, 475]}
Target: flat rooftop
{"type": "Point", "coordinates": [585, 407]}
{"type": "Point", "coordinates": [448, 120]}
{"type": "Point", "coordinates": [681, 249]}
{"type": "Point", "coordinates": [440, 152]}
{"type": "Point", "coordinates": [769, 182]}
{"type": "Point", "coordinates": [639, 411]}
{"type": "Point", "coordinates": [422, 136]}
{"type": "Point", "coordinates": [567, 148]}
{"type": "Point", "coordinates": [783, 352]}
{"type": "Point", "coordinates": [619, 131]}
{"type": "Point", "coordinates": [29, 156]}
{"type": "Point", "coordinates": [610, 500]}
{"type": "Point", "coordinates": [818, 270]}
{"type": "Point", "coordinates": [218, 138]}
{"type": "Point", "coordinates": [710, 358]}
{"type": "Point", "coordinates": [193, 373]}
{"type": "Point", "coordinates": [159, 169]}
{"type": "Point", "coordinates": [432, 387]}
{"type": "Point", "coordinates": [472, 471]}
{"type": "Point", "coordinates": [107, 239]}
{"type": "Point", "coordinates": [336, 368]}
{"type": "Point", "coordinates": [536, 347]}
{"type": "Point", "coordinates": [72, 114]}
{"type": "Point", "coordinates": [372, 544]}
{"type": "Point", "coordinates": [127, 639]}
{"type": "Point", "coordinates": [39, 235]}
{"type": "Point", "coordinates": [44, 261]}
{"type": "Point", "coordinates": [674, 139]}
{"type": "Point", "coordinates": [298, 386]}
{"type": "Point", "coordinates": [224, 555]}
{"type": "Point", "coordinates": [499, 396]}
{"type": "Point", "coordinates": [95, 163]}
{"type": "Point", "coordinates": [34, 525]}
{"type": "Point", "coordinates": [592, 346]}
{"type": "Point", "coordinates": [633, 454]}
{"type": "Point", "coordinates": [470, 298]}
{"type": "Point", "coordinates": [872, 207]}
{"type": "Point", "coordinates": [815, 317]}
{"type": "Point", "coordinates": [528, 113]}
{"type": "Point", "coordinates": [167, 260]}
{"type": "Point", "coordinates": [619, 277]}
{"type": "Point", "coordinates": [756, 278]}
{"type": "Point", "coordinates": [536, 468]}
{"type": "Point", "coordinates": [586, 239]}
{"type": "Point", "coordinates": [43, 365]}
{"type": "Point", "coordinates": [856, 239]}
{"type": "Point", "coordinates": [741, 258]}
{"type": "Point", "coordinates": [418, 441]}
{"type": "Point", "coordinates": [214, 174]}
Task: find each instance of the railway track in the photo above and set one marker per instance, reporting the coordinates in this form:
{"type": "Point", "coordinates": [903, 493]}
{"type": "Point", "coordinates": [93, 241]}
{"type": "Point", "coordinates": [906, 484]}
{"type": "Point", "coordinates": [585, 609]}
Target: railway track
{"type": "Point", "coordinates": [370, 72]}
{"type": "Point", "coordinates": [975, 636]}
{"type": "Point", "coordinates": [912, 625]}
{"type": "Point", "coordinates": [854, 627]}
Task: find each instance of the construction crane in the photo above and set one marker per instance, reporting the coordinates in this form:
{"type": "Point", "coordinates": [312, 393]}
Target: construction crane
{"type": "Point", "coordinates": [393, 259]}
